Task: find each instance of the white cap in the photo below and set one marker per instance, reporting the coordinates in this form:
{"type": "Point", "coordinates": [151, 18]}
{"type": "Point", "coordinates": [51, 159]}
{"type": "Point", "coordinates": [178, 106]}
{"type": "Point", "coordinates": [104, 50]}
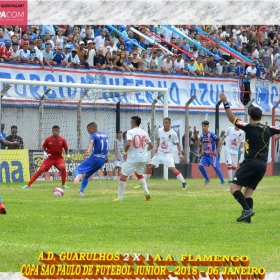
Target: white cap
{"type": "Point", "coordinates": [81, 43]}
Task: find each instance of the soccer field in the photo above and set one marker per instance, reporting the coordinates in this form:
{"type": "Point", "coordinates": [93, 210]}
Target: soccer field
{"type": "Point", "coordinates": [199, 221]}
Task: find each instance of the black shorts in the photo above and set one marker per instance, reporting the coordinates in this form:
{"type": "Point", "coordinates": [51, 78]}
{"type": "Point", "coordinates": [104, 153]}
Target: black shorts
{"type": "Point", "coordinates": [250, 173]}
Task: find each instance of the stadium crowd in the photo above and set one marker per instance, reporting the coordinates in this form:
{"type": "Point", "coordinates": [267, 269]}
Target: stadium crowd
{"type": "Point", "coordinates": [101, 46]}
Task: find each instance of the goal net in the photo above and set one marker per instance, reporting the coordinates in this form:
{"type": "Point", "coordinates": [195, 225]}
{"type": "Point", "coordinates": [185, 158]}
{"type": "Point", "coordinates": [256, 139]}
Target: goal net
{"type": "Point", "coordinates": [35, 107]}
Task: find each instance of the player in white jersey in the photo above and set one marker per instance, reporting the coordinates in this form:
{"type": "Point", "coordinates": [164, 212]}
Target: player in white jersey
{"type": "Point", "coordinates": [235, 138]}
{"type": "Point", "coordinates": [167, 139]}
{"type": "Point", "coordinates": [118, 149]}
{"type": "Point", "coordinates": [136, 154]}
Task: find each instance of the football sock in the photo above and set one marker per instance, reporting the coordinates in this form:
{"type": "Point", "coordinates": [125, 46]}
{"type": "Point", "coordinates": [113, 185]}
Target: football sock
{"type": "Point", "coordinates": [122, 185]}
{"type": "Point", "coordinates": [219, 173]}
{"type": "Point", "coordinates": [250, 202]}
{"type": "Point", "coordinates": [63, 174]}
{"type": "Point", "coordinates": [203, 171]}
{"type": "Point", "coordinates": [229, 172]}
{"type": "Point", "coordinates": [239, 196]}
{"type": "Point", "coordinates": [148, 176]}
{"type": "Point", "coordinates": [142, 182]}
{"type": "Point", "coordinates": [84, 184]}
{"type": "Point", "coordinates": [35, 176]}
{"type": "Point", "coordinates": [179, 176]}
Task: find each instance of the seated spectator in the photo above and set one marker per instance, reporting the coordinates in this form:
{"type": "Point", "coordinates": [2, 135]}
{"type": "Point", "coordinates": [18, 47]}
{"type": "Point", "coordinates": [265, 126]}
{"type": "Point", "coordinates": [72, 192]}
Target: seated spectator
{"type": "Point", "coordinates": [13, 137]}
{"type": "Point", "coordinates": [119, 62]}
{"type": "Point", "coordinates": [24, 54]}
{"type": "Point", "coordinates": [73, 59]}
{"type": "Point", "coordinates": [99, 59]}
{"type": "Point", "coordinates": [166, 66]}
{"type": "Point", "coordinates": [6, 52]}
{"type": "Point", "coordinates": [59, 57]}
{"type": "Point", "coordinates": [192, 67]}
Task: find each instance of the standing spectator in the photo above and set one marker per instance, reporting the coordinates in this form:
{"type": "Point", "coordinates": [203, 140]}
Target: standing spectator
{"type": "Point", "coordinates": [108, 61]}
{"type": "Point", "coordinates": [199, 66]}
{"type": "Point", "coordinates": [179, 64]}
{"type": "Point", "coordinates": [217, 52]}
{"type": "Point", "coordinates": [13, 137]}
{"type": "Point", "coordinates": [88, 36]}
{"type": "Point", "coordinates": [73, 60]}
{"type": "Point", "coordinates": [99, 40]}
{"type": "Point", "coordinates": [220, 67]}
{"type": "Point", "coordinates": [24, 54]}
{"type": "Point", "coordinates": [24, 40]}
{"type": "Point", "coordinates": [146, 61]}
{"type": "Point", "coordinates": [52, 148]}
{"type": "Point", "coordinates": [194, 146]}
{"type": "Point", "coordinates": [185, 46]}
{"type": "Point", "coordinates": [167, 139]}
{"type": "Point", "coordinates": [33, 58]}
{"type": "Point", "coordinates": [251, 74]}
{"type": "Point", "coordinates": [90, 53]}
{"type": "Point", "coordinates": [136, 62]}
{"type": "Point", "coordinates": [50, 41]}
{"type": "Point", "coordinates": [166, 65]}
{"type": "Point", "coordinates": [166, 34]}
{"type": "Point", "coordinates": [48, 29]}
{"type": "Point", "coordinates": [3, 135]}
{"type": "Point", "coordinates": [81, 51]}
{"type": "Point", "coordinates": [160, 58]}
{"type": "Point", "coordinates": [153, 61]}
{"type": "Point", "coordinates": [271, 35]}
{"type": "Point", "coordinates": [119, 62]}
{"type": "Point", "coordinates": [210, 146]}
{"type": "Point", "coordinates": [211, 64]}
{"type": "Point", "coordinates": [191, 67]}
{"type": "Point", "coordinates": [129, 43]}
{"type": "Point", "coordinates": [6, 52]}
{"type": "Point", "coordinates": [265, 55]}
{"type": "Point", "coordinates": [59, 39]}
{"type": "Point", "coordinates": [59, 57]}
{"type": "Point", "coordinates": [48, 55]}
{"type": "Point", "coordinates": [255, 53]}
{"type": "Point", "coordinates": [15, 52]}
{"type": "Point", "coordinates": [99, 59]}
{"type": "Point", "coordinates": [112, 46]}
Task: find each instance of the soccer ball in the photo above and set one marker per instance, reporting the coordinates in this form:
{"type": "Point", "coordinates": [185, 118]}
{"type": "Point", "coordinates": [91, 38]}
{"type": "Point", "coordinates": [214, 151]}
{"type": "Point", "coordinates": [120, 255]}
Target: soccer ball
{"type": "Point", "coordinates": [58, 192]}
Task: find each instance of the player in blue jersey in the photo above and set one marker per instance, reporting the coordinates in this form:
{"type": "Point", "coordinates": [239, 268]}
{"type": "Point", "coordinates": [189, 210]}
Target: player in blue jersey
{"type": "Point", "coordinates": [210, 146]}
{"type": "Point", "coordinates": [97, 155]}
{"type": "Point", "coordinates": [5, 143]}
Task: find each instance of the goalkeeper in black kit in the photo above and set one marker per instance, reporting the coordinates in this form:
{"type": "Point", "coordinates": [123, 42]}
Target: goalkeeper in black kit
{"type": "Point", "coordinates": [253, 168]}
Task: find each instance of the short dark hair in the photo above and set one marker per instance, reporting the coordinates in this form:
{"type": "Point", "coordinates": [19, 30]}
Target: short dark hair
{"type": "Point", "coordinates": [55, 127]}
{"type": "Point", "coordinates": [136, 120]}
{"type": "Point", "coordinates": [205, 123]}
{"type": "Point", "coordinates": [13, 126]}
{"type": "Point", "coordinates": [255, 113]}
{"type": "Point", "coordinates": [168, 119]}
{"type": "Point", "coordinates": [92, 124]}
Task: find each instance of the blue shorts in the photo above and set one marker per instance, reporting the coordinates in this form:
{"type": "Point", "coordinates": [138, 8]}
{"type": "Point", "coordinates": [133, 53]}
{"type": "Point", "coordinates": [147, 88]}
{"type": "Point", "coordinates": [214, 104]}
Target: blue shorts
{"type": "Point", "coordinates": [90, 165]}
{"type": "Point", "coordinates": [210, 160]}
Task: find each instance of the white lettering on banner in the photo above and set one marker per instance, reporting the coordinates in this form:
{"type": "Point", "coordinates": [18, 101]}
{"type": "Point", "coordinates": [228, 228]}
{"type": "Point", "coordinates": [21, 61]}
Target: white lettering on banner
{"type": "Point", "coordinates": [181, 87]}
{"type": "Point", "coordinates": [266, 95]}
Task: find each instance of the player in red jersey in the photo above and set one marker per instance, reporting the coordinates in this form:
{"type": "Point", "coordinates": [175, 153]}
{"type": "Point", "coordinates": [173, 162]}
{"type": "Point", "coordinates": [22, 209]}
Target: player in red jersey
{"type": "Point", "coordinates": [53, 147]}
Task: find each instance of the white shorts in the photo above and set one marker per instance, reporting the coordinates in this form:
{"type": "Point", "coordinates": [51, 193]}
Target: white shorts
{"type": "Point", "coordinates": [231, 159]}
{"type": "Point", "coordinates": [118, 163]}
{"type": "Point", "coordinates": [167, 160]}
{"type": "Point", "coordinates": [131, 165]}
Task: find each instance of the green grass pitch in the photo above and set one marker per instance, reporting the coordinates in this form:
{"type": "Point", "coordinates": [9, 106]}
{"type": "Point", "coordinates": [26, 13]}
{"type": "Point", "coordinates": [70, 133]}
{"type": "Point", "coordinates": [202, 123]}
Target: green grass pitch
{"type": "Point", "coordinates": [199, 221]}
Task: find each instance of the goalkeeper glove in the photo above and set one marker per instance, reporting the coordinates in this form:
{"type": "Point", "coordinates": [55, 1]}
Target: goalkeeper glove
{"type": "Point", "coordinates": [46, 155]}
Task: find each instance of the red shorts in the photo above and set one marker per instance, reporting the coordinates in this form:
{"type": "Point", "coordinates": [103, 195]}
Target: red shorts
{"type": "Point", "coordinates": [48, 163]}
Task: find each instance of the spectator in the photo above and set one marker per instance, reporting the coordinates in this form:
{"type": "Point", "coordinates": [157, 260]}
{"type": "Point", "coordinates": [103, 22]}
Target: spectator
{"type": "Point", "coordinates": [166, 65]}
{"type": "Point", "coordinates": [105, 47]}
{"type": "Point", "coordinates": [199, 66]}
{"type": "Point", "coordinates": [136, 62]}
{"type": "Point", "coordinates": [191, 67]}
{"type": "Point", "coordinates": [211, 64]}
{"type": "Point", "coordinates": [99, 58]}
{"type": "Point", "coordinates": [24, 54]}
{"type": "Point", "coordinates": [49, 40]}
{"type": "Point", "coordinates": [185, 46]}
{"type": "Point", "coordinates": [265, 55]}
{"type": "Point", "coordinates": [166, 34]}
{"type": "Point", "coordinates": [194, 146]}
{"type": "Point", "coordinates": [231, 68]}
{"type": "Point", "coordinates": [206, 68]}
{"type": "Point", "coordinates": [33, 55]}
{"type": "Point", "coordinates": [24, 40]}
{"type": "Point", "coordinates": [251, 74]}
{"type": "Point", "coordinates": [219, 67]}
{"type": "Point", "coordinates": [13, 137]}
{"type": "Point", "coordinates": [39, 50]}
{"type": "Point", "coordinates": [99, 40]}
{"type": "Point", "coordinates": [153, 61]}
{"type": "Point", "coordinates": [277, 59]}
{"type": "Point", "coordinates": [6, 52]}
{"type": "Point", "coordinates": [272, 35]}
{"type": "Point", "coordinates": [217, 52]}
{"type": "Point", "coordinates": [112, 46]}
{"type": "Point", "coordinates": [90, 53]}
{"type": "Point", "coordinates": [108, 61]}
{"type": "Point", "coordinates": [89, 35]}
{"type": "Point", "coordinates": [48, 55]}
{"type": "Point", "coordinates": [273, 73]}
{"type": "Point", "coordinates": [81, 51]}
{"type": "Point", "coordinates": [119, 62]}
{"type": "Point", "coordinates": [17, 32]}
{"type": "Point", "coordinates": [59, 57]}
{"type": "Point", "coordinates": [73, 59]}
{"type": "Point", "coordinates": [129, 43]}
{"type": "Point", "coordinates": [255, 53]}
{"type": "Point", "coordinates": [15, 52]}
{"type": "Point", "coordinates": [146, 61]}
{"type": "Point", "coordinates": [59, 39]}
{"type": "Point", "coordinates": [179, 64]}
{"type": "Point", "coordinates": [3, 134]}
{"type": "Point", "coordinates": [48, 29]}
